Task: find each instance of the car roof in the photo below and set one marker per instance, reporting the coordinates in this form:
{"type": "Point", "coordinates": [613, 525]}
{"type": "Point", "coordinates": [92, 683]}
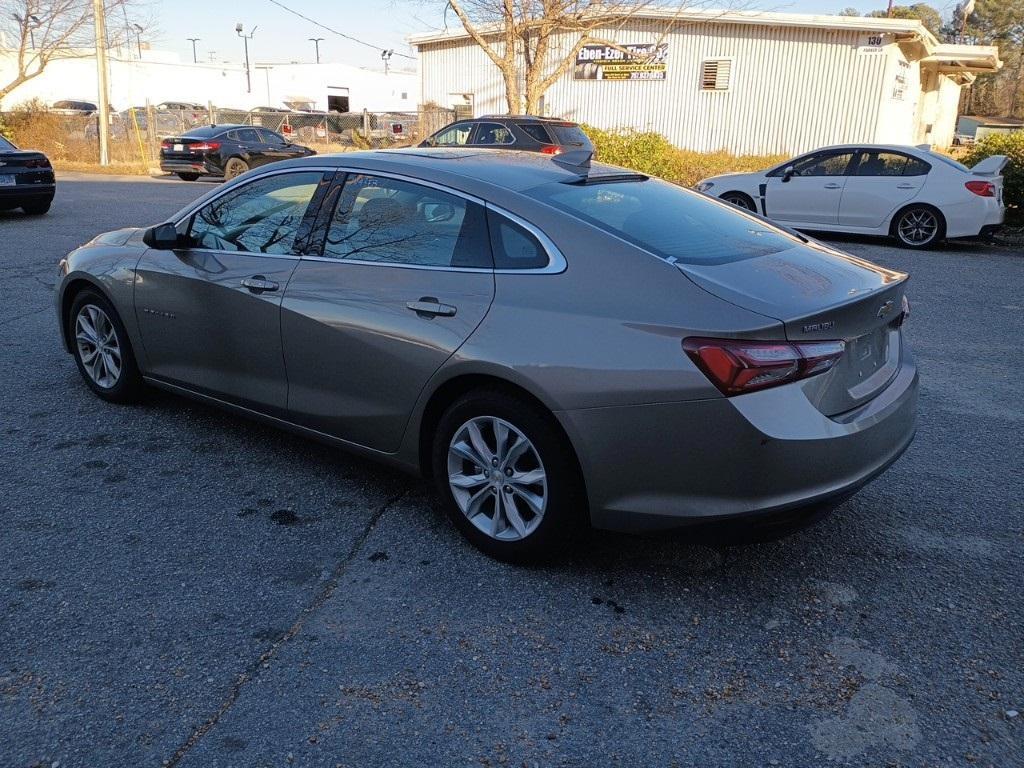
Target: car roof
{"type": "Point", "coordinates": [472, 171]}
{"type": "Point", "coordinates": [871, 147]}
{"type": "Point", "coordinates": [524, 118]}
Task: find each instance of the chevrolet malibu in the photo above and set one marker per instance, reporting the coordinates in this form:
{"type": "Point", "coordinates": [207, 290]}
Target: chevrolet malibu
{"type": "Point", "coordinates": [916, 196]}
{"type": "Point", "coordinates": [555, 342]}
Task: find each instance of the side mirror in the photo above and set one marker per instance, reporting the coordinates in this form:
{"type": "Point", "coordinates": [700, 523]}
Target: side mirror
{"type": "Point", "coordinates": [787, 173]}
{"type": "Point", "coordinates": [162, 237]}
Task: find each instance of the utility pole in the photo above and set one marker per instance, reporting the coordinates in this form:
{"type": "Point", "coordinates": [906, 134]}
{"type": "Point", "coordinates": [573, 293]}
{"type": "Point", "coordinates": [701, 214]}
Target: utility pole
{"type": "Point", "coordinates": [316, 41]}
{"type": "Point", "coordinates": [194, 40]}
{"type": "Point", "coordinates": [138, 38]}
{"type": "Point", "coordinates": [99, 23]}
{"type": "Point", "coordinates": [246, 38]}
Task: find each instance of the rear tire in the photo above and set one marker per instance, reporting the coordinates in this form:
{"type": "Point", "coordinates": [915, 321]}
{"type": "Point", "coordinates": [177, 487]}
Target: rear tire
{"type": "Point", "coordinates": [918, 226]}
{"type": "Point", "coordinates": [188, 176]}
{"type": "Point", "coordinates": [102, 350]}
{"type": "Point", "coordinates": [235, 166]}
{"type": "Point", "coordinates": [517, 467]}
{"type": "Point", "coordinates": [37, 207]}
{"type": "Point", "coordinates": [740, 200]}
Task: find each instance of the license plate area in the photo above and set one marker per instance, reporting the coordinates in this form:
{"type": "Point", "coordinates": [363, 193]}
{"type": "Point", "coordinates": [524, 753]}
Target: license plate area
{"type": "Point", "coordinates": [179, 147]}
{"type": "Point", "coordinates": [6, 180]}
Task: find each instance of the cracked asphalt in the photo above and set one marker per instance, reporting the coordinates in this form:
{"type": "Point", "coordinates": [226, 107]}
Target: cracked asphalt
{"type": "Point", "coordinates": [181, 587]}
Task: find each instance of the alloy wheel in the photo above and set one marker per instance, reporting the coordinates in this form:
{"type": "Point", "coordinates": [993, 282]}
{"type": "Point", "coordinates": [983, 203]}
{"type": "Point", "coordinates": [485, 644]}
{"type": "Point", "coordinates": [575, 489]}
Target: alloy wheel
{"type": "Point", "coordinates": [497, 478]}
{"type": "Point", "coordinates": [739, 201]}
{"type": "Point", "coordinates": [98, 346]}
{"type": "Point", "coordinates": [918, 226]}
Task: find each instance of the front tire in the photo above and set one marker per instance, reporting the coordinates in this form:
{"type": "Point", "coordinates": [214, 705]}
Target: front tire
{"type": "Point", "coordinates": [507, 476]}
{"type": "Point", "coordinates": [740, 200]}
{"type": "Point", "coordinates": [102, 350]}
{"type": "Point", "coordinates": [918, 226]}
{"type": "Point", "coordinates": [236, 166]}
{"type": "Point", "coordinates": [37, 207]}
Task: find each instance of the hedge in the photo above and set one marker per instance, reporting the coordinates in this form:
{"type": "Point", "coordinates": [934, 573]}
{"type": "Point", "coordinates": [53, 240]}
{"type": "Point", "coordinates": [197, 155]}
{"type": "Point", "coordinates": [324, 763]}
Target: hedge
{"type": "Point", "coordinates": [1011, 145]}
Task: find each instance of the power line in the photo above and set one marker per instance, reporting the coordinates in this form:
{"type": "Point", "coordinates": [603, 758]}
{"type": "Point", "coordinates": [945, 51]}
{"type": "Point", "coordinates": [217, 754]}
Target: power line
{"type": "Point", "coordinates": [336, 32]}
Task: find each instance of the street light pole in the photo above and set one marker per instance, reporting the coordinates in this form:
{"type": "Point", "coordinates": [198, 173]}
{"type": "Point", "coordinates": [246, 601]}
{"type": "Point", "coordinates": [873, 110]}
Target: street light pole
{"type": "Point", "coordinates": [194, 40]}
{"type": "Point", "coordinates": [138, 39]}
{"type": "Point", "coordinates": [246, 38]}
{"type": "Point", "coordinates": [316, 41]}
{"type": "Point", "coordinates": [100, 25]}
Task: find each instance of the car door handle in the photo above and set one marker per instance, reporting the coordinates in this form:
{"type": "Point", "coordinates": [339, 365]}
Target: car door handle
{"type": "Point", "coordinates": [259, 284]}
{"type": "Point", "coordinates": [428, 306]}
{"type": "Point", "coordinates": [833, 185]}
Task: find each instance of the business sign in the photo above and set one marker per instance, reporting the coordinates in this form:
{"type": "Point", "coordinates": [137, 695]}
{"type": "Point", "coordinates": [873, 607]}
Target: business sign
{"type": "Point", "coordinates": [632, 61]}
{"type": "Point", "coordinates": [871, 44]}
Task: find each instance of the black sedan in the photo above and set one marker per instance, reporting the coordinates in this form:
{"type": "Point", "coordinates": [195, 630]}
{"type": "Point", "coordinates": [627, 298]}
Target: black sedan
{"type": "Point", "coordinates": [26, 179]}
{"type": "Point", "coordinates": [225, 150]}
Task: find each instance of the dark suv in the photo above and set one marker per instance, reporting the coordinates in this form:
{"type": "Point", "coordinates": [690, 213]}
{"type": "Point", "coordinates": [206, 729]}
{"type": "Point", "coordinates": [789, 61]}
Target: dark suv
{"type": "Point", "coordinates": [525, 132]}
{"type": "Point", "coordinates": [225, 150]}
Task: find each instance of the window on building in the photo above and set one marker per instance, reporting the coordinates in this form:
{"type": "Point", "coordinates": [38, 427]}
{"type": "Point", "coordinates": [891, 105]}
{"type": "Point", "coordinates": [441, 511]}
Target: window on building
{"type": "Point", "coordinates": [716, 74]}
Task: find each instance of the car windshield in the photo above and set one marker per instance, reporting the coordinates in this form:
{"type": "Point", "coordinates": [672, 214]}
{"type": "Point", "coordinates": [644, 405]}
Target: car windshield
{"type": "Point", "coordinates": [949, 161]}
{"type": "Point", "coordinates": [5, 144]}
{"type": "Point", "coordinates": [668, 221]}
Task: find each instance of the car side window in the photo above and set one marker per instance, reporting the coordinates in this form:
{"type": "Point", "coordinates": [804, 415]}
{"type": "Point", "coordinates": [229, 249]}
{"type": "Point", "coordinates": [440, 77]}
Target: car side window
{"type": "Point", "coordinates": [269, 137]}
{"type": "Point", "coordinates": [248, 135]}
{"type": "Point", "coordinates": [453, 136]}
{"type": "Point", "coordinates": [823, 164]}
{"type": "Point", "coordinates": [881, 164]}
{"type": "Point", "coordinates": [513, 246]}
{"type": "Point", "coordinates": [233, 135]}
{"type": "Point", "coordinates": [537, 131]}
{"type": "Point", "coordinates": [916, 167]}
{"type": "Point", "coordinates": [391, 221]}
{"type": "Point", "coordinates": [493, 134]}
{"type": "Point", "coordinates": [262, 216]}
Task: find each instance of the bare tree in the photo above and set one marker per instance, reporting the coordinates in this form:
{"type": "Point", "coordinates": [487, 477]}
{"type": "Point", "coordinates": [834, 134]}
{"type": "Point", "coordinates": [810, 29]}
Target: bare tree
{"type": "Point", "coordinates": [526, 38]}
{"type": "Point", "coordinates": [45, 30]}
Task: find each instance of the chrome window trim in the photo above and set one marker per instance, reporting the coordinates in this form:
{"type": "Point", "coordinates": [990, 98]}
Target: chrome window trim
{"type": "Point", "coordinates": [556, 260]}
{"type": "Point", "coordinates": [500, 125]}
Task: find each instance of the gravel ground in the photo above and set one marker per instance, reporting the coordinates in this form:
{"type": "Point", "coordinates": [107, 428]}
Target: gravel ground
{"type": "Point", "coordinates": [181, 587]}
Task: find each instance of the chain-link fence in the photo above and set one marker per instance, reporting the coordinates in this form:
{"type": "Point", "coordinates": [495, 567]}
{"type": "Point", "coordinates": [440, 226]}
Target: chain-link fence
{"type": "Point", "coordinates": [136, 133]}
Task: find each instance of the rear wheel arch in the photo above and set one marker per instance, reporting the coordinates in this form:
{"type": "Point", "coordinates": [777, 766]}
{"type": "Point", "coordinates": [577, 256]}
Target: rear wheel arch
{"type": "Point", "coordinates": [918, 204]}
{"type": "Point", "coordinates": [454, 388]}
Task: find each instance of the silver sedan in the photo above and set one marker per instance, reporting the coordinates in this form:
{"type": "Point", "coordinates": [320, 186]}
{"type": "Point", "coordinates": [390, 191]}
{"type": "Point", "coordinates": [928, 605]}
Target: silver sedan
{"type": "Point", "coordinates": [556, 342]}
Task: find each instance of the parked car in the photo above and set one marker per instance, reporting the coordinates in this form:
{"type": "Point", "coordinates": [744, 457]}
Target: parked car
{"type": "Point", "coordinates": [74, 107]}
{"type": "Point", "coordinates": [554, 343]}
{"type": "Point", "coordinates": [523, 132]}
{"type": "Point", "coordinates": [912, 194]}
{"type": "Point", "coordinates": [26, 179]}
{"type": "Point", "coordinates": [225, 150]}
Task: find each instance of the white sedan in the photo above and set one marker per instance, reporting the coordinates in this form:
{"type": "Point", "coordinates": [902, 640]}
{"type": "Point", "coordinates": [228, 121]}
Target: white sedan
{"type": "Point", "coordinates": [913, 194]}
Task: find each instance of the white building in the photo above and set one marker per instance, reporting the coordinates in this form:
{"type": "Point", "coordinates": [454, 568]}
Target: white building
{"type": "Point", "coordinates": [161, 76]}
{"type": "Point", "coordinates": [747, 82]}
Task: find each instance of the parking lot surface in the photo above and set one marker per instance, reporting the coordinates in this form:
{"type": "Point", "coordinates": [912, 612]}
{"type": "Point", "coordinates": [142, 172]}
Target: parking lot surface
{"type": "Point", "coordinates": [179, 586]}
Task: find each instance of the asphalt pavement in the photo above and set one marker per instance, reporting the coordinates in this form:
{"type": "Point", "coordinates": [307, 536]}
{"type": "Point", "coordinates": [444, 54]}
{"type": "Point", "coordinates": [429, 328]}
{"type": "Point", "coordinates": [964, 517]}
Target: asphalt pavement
{"type": "Point", "coordinates": [181, 587]}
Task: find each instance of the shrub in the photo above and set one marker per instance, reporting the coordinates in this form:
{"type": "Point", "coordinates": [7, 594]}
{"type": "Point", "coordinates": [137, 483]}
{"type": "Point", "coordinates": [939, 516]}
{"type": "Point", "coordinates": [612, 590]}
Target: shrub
{"type": "Point", "coordinates": [653, 154]}
{"type": "Point", "coordinates": [1011, 145]}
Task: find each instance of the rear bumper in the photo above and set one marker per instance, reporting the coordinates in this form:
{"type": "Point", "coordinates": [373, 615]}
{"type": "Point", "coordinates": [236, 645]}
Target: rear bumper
{"type": "Point", "coordinates": [668, 465]}
{"type": "Point", "coordinates": [190, 166]}
{"type": "Point", "coordinates": [28, 192]}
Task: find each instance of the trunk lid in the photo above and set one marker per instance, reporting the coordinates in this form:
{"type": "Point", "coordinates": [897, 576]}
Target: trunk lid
{"type": "Point", "coordinates": [990, 166]}
{"type": "Point", "coordinates": [821, 294]}
{"type": "Point", "coordinates": [180, 148]}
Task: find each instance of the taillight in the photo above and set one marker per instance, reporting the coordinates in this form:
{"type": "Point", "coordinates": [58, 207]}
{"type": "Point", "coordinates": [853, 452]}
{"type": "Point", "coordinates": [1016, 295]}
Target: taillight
{"type": "Point", "coordinates": [982, 188]}
{"type": "Point", "coordinates": [165, 144]}
{"type": "Point", "coordinates": [204, 146]}
{"type": "Point", "coordinates": [736, 366]}
{"type": "Point", "coordinates": [551, 149]}
{"type": "Point", "coordinates": [39, 162]}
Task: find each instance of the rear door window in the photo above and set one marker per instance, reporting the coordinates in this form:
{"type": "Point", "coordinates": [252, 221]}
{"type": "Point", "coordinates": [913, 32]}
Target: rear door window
{"type": "Point", "coordinates": [248, 135]}
{"type": "Point", "coordinates": [390, 221]}
{"type": "Point", "coordinates": [513, 246]}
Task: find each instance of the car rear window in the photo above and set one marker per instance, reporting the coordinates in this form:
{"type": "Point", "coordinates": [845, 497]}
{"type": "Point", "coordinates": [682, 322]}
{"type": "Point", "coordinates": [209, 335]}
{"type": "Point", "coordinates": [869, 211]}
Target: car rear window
{"type": "Point", "coordinates": [203, 132]}
{"type": "Point", "coordinates": [5, 144]}
{"type": "Point", "coordinates": [949, 161]}
{"type": "Point", "coordinates": [569, 134]}
{"type": "Point", "coordinates": [668, 221]}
